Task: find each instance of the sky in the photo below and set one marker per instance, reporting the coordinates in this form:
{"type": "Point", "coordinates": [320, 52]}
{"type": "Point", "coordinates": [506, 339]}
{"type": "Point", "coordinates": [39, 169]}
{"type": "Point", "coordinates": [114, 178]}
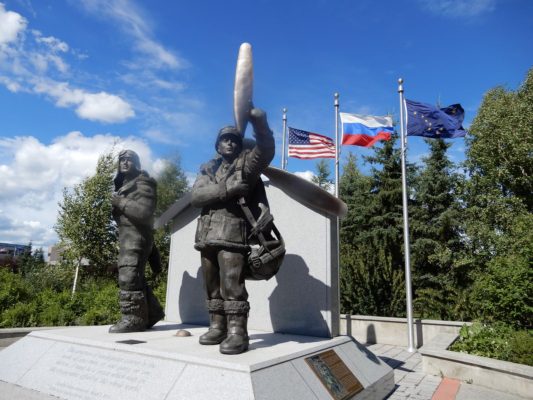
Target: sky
{"type": "Point", "coordinates": [82, 77]}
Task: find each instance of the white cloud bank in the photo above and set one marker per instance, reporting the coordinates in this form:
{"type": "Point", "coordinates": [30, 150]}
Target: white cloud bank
{"type": "Point", "coordinates": [35, 64]}
{"type": "Point", "coordinates": [11, 25]}
{"type": "Point", "coordinates": [133, 22]}
{"type": "Point", "coordinates": [33, 175]}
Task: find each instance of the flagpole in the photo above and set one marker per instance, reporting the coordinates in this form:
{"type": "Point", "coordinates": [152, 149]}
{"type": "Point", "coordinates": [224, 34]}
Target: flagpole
{"type": "Point", "coordinates": [338, 236]}
{"type": "Point", "coordinates": [408, 291]}
{"type": "Point", "coordinates": [284, 135]}
{"type": "Point", "coordinates": [336, 103]}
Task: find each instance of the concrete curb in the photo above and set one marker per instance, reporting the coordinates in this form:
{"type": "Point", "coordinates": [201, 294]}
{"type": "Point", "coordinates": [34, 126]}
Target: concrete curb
{"type": "Point", "coordinates": [9, 336]}
{"type": "Point", "coordinates": [504, 376]}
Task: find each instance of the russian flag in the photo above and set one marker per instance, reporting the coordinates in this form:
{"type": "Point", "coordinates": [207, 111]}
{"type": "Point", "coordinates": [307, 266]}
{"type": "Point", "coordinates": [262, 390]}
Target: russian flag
{"type": "Point", "coordinates": [365, 130]}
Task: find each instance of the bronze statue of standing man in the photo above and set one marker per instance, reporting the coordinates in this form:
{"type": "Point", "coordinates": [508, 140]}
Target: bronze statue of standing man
{"type": "Point", "coordinates": [134, 203]}
{"type": "Point", "coordinates": [223, 232]}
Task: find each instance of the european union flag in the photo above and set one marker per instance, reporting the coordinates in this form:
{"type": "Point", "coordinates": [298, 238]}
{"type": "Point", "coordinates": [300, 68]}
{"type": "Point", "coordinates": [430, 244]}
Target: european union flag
{"type": "Point", "coordinates": [432, 122]}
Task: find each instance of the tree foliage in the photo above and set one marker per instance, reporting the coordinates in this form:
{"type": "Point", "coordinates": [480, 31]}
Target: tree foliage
{"type": "Point", "coordinates": [372, 267]}
{"type": "Point", "coordinates": [85, 226]}
{"type": "Point", "coordinates": [499, 206]}
{"type": "Point", "coordinates": [31, 260]}
{"type": "Point", "coordinates": [171, 186]}
{"type": "Point", "coordinates": [500, 144]}
{"type": "Point", "coordinates": [470, 234]}
{"type": "Point", "coordinates": [436, 230]}
{"type": "Point", "coordinates": [322, 177]}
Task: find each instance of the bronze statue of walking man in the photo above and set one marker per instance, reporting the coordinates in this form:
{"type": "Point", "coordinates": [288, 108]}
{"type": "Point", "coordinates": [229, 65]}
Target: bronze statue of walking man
{"type": "Point", "coordinates": [134, 203]}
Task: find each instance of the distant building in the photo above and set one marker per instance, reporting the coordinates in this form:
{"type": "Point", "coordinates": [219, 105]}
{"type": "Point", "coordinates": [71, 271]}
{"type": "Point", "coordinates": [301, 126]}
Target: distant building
{"type": "Point", "coordinates": [9, 253]}
{"type": "Point", "coordinates": [55, 254]}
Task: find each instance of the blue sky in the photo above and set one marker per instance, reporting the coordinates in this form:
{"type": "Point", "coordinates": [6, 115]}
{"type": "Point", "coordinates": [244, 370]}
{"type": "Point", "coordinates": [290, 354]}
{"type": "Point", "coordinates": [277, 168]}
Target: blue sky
{"type": "Point", "coordinates": [79, 75]}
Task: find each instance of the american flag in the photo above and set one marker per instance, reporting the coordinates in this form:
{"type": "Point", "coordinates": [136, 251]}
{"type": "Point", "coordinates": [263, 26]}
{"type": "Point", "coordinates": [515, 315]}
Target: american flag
{"type": "Point", "coordinates": [308, 145]}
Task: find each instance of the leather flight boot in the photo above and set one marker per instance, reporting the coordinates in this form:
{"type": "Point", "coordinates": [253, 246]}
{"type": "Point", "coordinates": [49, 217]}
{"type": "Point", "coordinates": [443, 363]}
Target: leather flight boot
{"type": "Point", "coordinates": [155, 311]}
{"type": "Point", "coordinates": [217, 323]}
{"type": "Point", "coordinates": [134, 311]}
{"type": "Point", "coordinates": [237, 316]}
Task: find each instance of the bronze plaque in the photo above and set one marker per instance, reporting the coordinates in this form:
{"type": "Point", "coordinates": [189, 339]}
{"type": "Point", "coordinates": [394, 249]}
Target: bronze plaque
{"type": "Point", "coordinates": [334, 375]}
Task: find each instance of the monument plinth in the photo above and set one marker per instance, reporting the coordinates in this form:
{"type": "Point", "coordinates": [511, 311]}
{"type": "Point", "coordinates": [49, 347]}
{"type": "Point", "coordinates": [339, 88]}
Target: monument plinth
{"type": "Point", "coordinates": [88, 363]}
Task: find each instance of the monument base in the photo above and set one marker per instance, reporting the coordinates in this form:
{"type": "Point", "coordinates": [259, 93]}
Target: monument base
{"type": "Point", "coordinates": [88, 363]}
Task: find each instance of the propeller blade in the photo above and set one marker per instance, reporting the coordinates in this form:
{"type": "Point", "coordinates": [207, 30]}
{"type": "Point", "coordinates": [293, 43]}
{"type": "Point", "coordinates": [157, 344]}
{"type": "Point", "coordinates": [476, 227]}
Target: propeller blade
{"type": "Point", "coordinates": [243, 89]}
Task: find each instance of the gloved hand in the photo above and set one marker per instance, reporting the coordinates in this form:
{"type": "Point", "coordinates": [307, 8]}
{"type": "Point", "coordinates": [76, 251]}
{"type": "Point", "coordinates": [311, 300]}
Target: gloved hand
{"type": "Point", "coordinates": [236, 188]}
{"type": "Point", "coordinates": [258, 118]}
{"type": "Point", "coordinates": [115, 200]}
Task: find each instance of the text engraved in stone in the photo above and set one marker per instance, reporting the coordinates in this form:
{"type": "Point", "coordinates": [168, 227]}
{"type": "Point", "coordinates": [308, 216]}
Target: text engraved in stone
{"type": "Point", "coordinates": [83, 374]}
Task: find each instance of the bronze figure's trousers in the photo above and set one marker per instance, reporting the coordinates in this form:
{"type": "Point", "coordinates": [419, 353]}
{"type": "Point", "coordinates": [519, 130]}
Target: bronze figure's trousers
{"type": "Point", "coordinates": [131, 277]}
{"type": "Point", "coordinates": [224, 274]}
{"type": "Point", "coordinates": [227, 300]}
{"type": "Point", "coordinates": [139, 307]}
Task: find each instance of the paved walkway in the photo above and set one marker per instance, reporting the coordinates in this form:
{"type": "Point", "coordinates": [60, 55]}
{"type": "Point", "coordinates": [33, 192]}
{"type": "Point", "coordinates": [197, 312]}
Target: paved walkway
{"type": "Point", "coordinates": [413, 384]}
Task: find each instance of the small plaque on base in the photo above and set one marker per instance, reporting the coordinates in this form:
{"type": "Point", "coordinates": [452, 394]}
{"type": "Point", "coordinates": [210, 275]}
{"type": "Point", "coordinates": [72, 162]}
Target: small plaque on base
{"type": "Point", "coordinates": [334, 375]}
{"type": "Point", "coordinates": [130, 341]}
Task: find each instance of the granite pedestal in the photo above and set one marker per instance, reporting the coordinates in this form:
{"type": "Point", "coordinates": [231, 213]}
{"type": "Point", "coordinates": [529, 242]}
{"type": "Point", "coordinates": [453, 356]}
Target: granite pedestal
{"type": "Point", "coordinates": [88, 363]}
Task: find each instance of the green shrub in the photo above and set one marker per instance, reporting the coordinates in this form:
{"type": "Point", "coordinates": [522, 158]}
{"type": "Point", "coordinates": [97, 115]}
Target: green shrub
{"type": "Point", "coordinates": [101, 301]}
{"type": "Point", "coordinates": [55, 277]}
{"type": "Point", "coordinates": [504, 291]}
{"type": "Point", "coordinates": [43, 298]}
{"type": "Point", "coordinates": [498, 340]}
{"type": "Point", "coordinates": [57, 308]}
{"type": "Point", "coordinates": [20, 315]}
{"type": "Point", "coordinates": [13, 290]}
{"type": "Point", "coordinates": [522, 348]}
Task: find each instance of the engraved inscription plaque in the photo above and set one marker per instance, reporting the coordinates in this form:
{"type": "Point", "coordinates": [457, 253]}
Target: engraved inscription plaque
{"type": "Point", "coordinates": [334, 375]}
{"type": "Point", "coordinates": [72, 371]}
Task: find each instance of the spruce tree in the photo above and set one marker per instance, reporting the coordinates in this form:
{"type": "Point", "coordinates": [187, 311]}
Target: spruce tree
{"type": "Point", "coordinates": [372, 241]}
{"type": "Point", "coordinates": [354, 190]}
{"type": "Point", "coordinates": [436, 227]}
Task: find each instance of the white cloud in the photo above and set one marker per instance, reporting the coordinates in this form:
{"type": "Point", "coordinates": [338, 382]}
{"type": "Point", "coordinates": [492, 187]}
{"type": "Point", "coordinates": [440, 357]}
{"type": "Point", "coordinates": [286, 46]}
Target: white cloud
{"type": "Point", "coordinates": [38, 67]}
{"type": "Point", "coordinates": [10, 84]}
{"type": "Point", "coordinates": [54, 44]}
{"type": "Point", "coordinates": [41, 62]}
{"type": "Point", "coordinates": [14, 230]}
{"type": "Point", "coordinates": [11, 25]}
{"type": "Point", "coordinates": [459, 8]}
{"type": "Point", "coordinates": [102, 107]}
{"type": "Point", "coordinates": [133, 22]}
{"type": "Point", "coordinates": [33, 175]}
{"type": "Point", "coordinates": [148, 80]}
{"type": "Point", "coordinates": [191, 177]}
{"type": "Point", "coordinates": [307, 175]}
{"type": "Point", "coordinates": [163, 57]}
